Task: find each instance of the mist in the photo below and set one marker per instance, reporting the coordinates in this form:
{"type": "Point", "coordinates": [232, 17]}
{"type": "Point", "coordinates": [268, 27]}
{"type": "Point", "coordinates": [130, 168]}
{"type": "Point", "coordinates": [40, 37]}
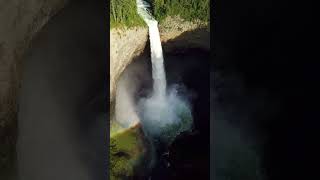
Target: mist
{"type": "Point", "coordinates": [180, 116]}
{"type": "Point", "coordinates": [137, 103]}
{"type": "Point", "coordinates": [166, 117]}
{"type": "Point", "coordinates": [127, 86]}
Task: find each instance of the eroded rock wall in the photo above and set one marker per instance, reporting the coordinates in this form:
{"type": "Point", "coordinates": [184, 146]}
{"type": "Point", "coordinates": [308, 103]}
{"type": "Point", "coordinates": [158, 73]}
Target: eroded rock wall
{"type": "Point", "coordinates": [175, 33]}
{"type": "Point", "coordinates": [125, 44]}
{"type": "Point", "coordinates": [20, 20]}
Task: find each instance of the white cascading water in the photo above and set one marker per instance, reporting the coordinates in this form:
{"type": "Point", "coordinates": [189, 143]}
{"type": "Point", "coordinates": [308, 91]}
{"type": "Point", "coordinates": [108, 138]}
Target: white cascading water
{"type": "Point", "coordinates": [165, 113]}
{"type": "Point", "coordinates": [158, 72]}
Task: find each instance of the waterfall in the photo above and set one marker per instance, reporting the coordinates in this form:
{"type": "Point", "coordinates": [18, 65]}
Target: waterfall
{"type": "Point", "coordinates": [165, 113]}
{"type": "Point", "coordinates": [158, 71]}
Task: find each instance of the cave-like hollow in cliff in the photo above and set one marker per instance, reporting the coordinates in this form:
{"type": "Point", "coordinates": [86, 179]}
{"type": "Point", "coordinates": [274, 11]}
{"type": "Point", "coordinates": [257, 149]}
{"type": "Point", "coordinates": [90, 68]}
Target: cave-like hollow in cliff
{"type": "Point", "coordinates": [187, 67]}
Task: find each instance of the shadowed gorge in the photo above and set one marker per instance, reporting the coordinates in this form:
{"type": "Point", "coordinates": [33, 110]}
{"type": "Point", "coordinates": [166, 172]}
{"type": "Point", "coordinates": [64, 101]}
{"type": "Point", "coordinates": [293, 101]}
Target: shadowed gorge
{"type": "Point", "coordinates": [62, 116]}
{"type": "Point", "coordinates": [146, 98]}
{"type": "Point", "coordinates": [187, 71]}
{"type": "Point", "coordinates": [53, 110]}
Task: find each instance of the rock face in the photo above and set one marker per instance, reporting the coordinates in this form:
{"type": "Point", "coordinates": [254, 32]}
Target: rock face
{"type": "Point", "coordinates": [129, 43]}
{"type": "Point", "coordinates": [177, 33]}
{"type": "Point", "coordinates": [124, 46]}
{"type": "Point", "coordinates": [127, 46]}
{"type": "Point", "coordinates": [20, 20]}
{"type": "Point", "coordinates": [62, 113]}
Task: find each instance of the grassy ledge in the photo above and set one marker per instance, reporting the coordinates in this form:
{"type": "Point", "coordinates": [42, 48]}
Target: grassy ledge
{"type": "Point", "coordinates": [126, 153]}
{"type": "Point", "coordinates": [188, 10]}
{"type": "Point", "coordinates": [123, 13]}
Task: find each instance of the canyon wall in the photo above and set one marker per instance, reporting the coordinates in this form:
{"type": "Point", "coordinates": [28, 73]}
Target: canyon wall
{"type": "Point", "coordinates": [125, 44]}
{"type": "Point", "coordinates": [20, 20]}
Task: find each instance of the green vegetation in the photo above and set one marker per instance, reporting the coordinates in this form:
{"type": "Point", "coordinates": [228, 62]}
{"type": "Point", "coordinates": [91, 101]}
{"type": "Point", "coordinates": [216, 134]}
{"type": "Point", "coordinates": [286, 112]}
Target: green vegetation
{"type": "Point", "coordinates": [115, 128]}
{"type": "Point", "coordinates": [187, 9]}
{"type": "Point", "coordinates": [124, 12]}
{"type": "Point", "coordinates": [126, 153]}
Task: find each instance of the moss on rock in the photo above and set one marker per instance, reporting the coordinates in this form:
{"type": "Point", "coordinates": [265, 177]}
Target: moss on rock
{"type": "Point", "coordinates": [127, 153]}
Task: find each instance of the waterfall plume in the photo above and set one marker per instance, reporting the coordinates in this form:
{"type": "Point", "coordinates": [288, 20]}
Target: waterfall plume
{"type": "Point", "coordinates": [165, 113]}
